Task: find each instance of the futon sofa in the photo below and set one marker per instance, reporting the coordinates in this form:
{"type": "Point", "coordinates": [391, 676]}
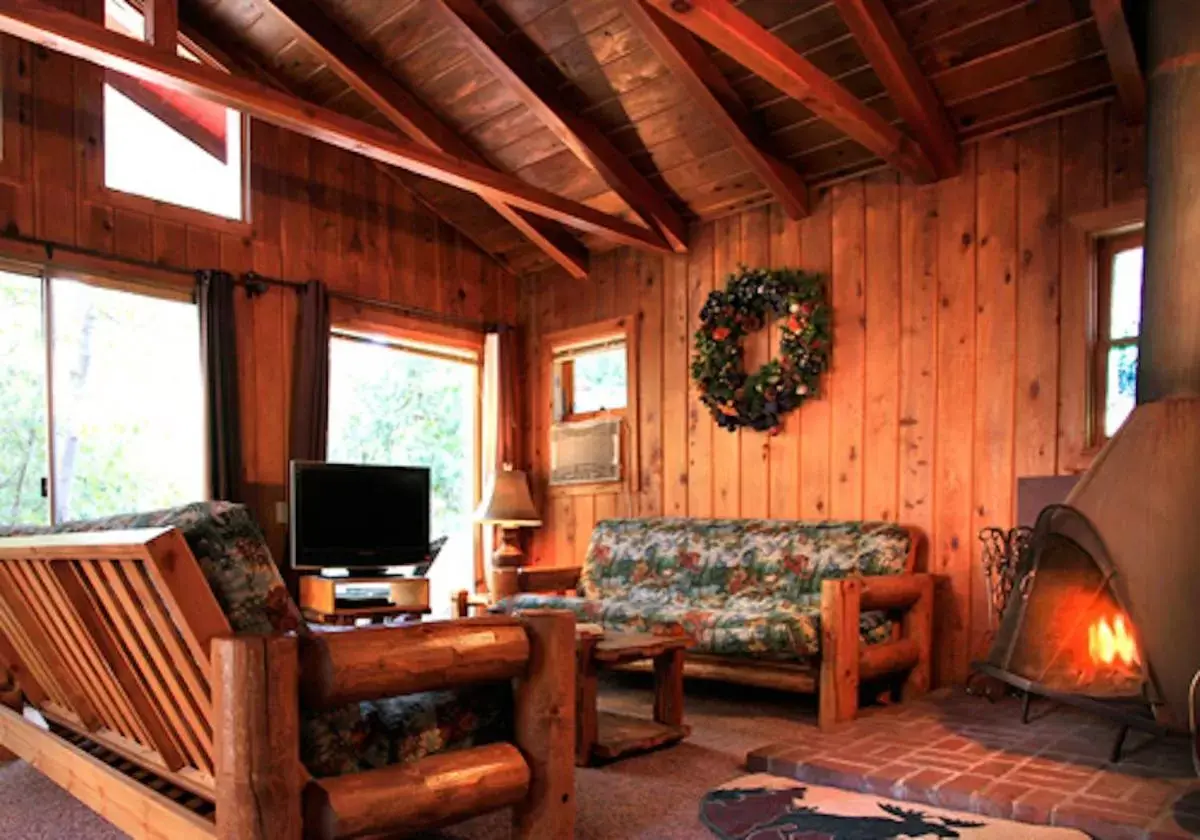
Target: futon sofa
{"type": "Point", "coordinates": [794, 605]}
{"type": "Point", "coordinates": [353, 739]}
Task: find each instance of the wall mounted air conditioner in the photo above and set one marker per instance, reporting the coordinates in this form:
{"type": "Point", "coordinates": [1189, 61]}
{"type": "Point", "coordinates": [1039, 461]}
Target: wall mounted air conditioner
{"type": "Point", "coordinates": [585, 452]}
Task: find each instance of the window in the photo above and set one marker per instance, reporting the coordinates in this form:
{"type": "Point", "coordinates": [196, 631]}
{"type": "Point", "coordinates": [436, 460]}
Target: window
{"type": "Point", "coordinates": [1118, 323]}
{"type": "Point", "coordinates": [591, 445]}
{"type": "Point", "coordinates": [414, 405]}
{"type": "Point", "coordinates": [109, 418]}
{"type": "Point", "coordinates": [165, 145]}
{"type": "Point", "coordinates": [591, 379]}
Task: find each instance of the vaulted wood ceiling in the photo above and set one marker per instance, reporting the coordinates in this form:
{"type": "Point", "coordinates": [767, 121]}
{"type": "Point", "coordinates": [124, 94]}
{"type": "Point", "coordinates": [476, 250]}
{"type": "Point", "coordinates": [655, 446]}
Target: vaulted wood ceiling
{"type": "Point", "coordinates": [604, 101]}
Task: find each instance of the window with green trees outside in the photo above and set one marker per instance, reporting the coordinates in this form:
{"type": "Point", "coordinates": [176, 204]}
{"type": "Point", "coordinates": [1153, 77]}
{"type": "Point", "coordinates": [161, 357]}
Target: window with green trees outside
{"type": "Point", "coordinates": [397, 404]}
{"type": "Point", "coordinates": [108, 415]}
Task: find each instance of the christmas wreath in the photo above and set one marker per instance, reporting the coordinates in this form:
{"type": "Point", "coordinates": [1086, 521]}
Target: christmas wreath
{"type": "Point", "coordinates": [752, 298]}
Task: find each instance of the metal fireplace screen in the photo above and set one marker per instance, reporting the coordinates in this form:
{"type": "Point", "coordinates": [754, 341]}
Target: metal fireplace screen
{"type": "Point", "coordinates": [1067, 630]}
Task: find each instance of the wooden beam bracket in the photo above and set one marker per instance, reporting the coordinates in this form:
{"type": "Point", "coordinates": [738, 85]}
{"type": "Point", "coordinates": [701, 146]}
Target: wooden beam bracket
{"type": "Point", "coordinates": [876, 32]}
{"type": "Point", "coordinates": [739, 36]}
{"type": "Point", "coordinates": [321, 35]}
{"type": "Point", "coordinates": [518, 71]}
{"type": "Point", "coordinates": [690, 65]}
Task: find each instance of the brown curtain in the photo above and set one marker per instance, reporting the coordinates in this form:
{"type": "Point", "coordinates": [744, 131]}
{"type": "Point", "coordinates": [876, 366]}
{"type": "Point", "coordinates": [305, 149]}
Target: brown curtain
{"type": "Point", "coordinates": [310, 388]}
{"type": "Point", "coordinates": [218, 342]}
{"type": "Point", "coordinates": [507, 402]}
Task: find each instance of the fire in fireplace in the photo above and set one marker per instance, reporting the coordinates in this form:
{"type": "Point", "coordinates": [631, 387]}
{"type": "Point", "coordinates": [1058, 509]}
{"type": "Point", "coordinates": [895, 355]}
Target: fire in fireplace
{"type": "Point", "coordinates": [1111, 644]}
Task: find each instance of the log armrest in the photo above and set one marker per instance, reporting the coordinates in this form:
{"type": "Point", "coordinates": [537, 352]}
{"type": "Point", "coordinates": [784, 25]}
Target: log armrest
{"type": "Point", "coordinates": [263, 793]}
{"type": "Point", "coordinates": [546, 579]}
{"type": "Point", "coordinates": [845, 660]}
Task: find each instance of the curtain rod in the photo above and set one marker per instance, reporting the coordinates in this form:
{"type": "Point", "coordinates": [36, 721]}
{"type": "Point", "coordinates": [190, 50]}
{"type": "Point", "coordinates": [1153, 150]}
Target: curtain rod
{"type": "Point", "coordinates": [254, 282]}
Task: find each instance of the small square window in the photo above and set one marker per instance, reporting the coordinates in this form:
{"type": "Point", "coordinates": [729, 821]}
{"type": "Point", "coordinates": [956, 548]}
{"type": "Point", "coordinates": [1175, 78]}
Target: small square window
{"type": "Point", "coordinates": [591, 380]}
{"type": "Point", "coordinates": [165, 145]}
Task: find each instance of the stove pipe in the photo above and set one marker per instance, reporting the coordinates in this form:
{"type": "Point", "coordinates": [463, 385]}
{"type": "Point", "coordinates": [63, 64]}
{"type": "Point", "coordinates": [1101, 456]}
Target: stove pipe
{"type": "Point", "coordinates": [1142, 493]}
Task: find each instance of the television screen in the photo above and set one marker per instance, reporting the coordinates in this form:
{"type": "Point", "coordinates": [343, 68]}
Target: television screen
{"type": "Point", "coordinates": [352, 516]}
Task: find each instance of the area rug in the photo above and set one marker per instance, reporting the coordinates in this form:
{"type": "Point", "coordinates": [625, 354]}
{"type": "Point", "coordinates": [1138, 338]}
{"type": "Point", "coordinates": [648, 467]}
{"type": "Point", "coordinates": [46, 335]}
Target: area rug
{"type": "Point", "coordinates": [764, 807]}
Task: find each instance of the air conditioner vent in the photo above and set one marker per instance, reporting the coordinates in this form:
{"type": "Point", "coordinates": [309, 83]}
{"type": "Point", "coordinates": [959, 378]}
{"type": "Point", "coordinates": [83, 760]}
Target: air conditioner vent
{"type": "Point", "coordinates": [585, 451]}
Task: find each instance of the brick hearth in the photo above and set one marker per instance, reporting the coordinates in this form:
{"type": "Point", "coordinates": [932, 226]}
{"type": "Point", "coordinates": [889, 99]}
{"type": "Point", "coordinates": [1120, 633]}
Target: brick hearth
{"type": "Point", "coordinates": [965, 753]}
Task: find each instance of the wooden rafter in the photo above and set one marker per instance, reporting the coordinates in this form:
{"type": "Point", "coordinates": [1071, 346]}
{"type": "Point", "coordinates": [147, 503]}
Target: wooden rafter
{"type": "Point", "coordinates": [323, 37]}
{"type": "Point", "coordinates": [520, 73]}
{"type": "Point", "coordinates": [1122, 57]}
{"type": "Point", "coordinates": [740, 37]}
{"type": "Point", "coordinates": [162, 24]}
{"type": "Point", "coordinates": [74, 36]}
{"type": "Point", "coordinates": [202, 38]}
{"type": "Point", "coordinates": [709, 89]}
{"type": "Point", "coordinates": [917, 102]}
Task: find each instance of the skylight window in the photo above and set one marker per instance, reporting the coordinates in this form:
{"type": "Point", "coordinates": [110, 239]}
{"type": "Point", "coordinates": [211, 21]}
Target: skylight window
{"type": "Point", "coordinates": [167, 146]}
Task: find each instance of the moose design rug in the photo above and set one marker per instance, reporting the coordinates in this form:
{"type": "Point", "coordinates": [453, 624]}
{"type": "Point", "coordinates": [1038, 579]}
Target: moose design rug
{"type": "Point", "coordinates": [764, 807]}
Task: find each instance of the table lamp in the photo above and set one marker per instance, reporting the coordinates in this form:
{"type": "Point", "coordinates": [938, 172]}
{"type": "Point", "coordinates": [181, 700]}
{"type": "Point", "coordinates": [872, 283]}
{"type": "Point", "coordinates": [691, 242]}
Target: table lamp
{"type": "Point", "coordinates": [507, 505]}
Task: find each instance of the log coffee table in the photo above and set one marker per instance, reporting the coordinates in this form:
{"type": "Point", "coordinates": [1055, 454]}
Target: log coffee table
{"type": "Point", "coordinates": [604, 735]}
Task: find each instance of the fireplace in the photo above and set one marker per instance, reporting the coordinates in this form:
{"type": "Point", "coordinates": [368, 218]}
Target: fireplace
{"type": "Point", "coordinates": [1108, 614]}
{"type": "Point", "coordinates": [1067, 632]}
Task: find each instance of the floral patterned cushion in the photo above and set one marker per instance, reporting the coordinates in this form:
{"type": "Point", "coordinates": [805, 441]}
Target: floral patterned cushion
{"type": "Point", "coordinates": [232, 554]}
{"type": "Point", "coordinates": [737, 587]}
{"type": "Point", "coordinates": [790, 633]}
{"type": "Point", "coordinates": [708, 562]}
{"type": "Point", "coordinates": [246, 582]}
{"type": "Point", "coordinates": [370, 735]}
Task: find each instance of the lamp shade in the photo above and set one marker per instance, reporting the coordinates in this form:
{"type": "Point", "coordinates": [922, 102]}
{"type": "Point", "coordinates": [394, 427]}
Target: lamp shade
{"type": "Point", "coordinates": [507, 501]}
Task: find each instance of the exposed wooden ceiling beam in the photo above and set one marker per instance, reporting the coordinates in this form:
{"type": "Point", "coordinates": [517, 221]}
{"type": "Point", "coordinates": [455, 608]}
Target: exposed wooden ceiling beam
{"type": "Point", "coordinates": [72, 35]}
{"type": "Point", "coordinates": [917, 102]}
{"type": "Point", "coordinates": [708, 88]}
{"type": "Point", "coordinates": [162, 24]}
{"type": "Point", "coordinates": [324, 38]}
{"type": "Point", "coordinates": [519, 72]}
{"type": "Point", "coordinates": [214, 45]}
{"type": "Point", "coordinates": [1122, 57]}
{"type": "Point", "coordinates": [740, 37]}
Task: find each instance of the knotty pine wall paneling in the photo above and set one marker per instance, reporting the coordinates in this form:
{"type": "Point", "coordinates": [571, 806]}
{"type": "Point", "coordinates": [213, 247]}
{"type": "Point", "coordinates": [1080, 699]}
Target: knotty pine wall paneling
{"type": "Point", "coordinates": [314, 212]}
{"type": "Point", "coordinates": [958, 364]}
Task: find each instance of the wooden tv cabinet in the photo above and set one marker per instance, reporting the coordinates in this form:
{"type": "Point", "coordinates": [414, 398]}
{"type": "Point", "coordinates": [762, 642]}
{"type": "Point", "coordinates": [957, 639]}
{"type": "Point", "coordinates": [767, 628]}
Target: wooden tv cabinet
{"type": "Point", "coordinates": [318, 599]}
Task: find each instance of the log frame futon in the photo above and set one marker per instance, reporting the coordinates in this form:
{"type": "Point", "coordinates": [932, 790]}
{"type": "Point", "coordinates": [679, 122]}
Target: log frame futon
{"type": "Point", "coordinates": [835, 675]}
{"type": "Point", "coordinates": [168, 725]}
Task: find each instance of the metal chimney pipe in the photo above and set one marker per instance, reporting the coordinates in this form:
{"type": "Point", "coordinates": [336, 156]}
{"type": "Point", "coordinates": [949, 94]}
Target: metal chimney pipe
{"type": "Point", "coordinates": [1169, 350]}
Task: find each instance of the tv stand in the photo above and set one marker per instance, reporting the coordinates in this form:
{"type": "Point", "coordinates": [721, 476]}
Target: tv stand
{"type": "Point", "coordinates": [348, 600]}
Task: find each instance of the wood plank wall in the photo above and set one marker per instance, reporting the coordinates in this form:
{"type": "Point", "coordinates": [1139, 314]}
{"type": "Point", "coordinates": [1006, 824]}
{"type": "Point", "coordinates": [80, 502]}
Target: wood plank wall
{"type": "Point", "coordinates": [315, 212]}
{"type": "Point", "coordinates": [959, 357]}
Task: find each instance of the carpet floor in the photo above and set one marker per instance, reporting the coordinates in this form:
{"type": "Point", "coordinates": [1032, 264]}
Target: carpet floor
{"type": "Point", "coordinates": [655, 796]}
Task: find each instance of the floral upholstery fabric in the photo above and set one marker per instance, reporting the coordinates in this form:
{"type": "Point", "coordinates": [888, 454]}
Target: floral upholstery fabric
{"type": "Point", "coordinates": [710, 561]}
{"type": "Point", "coordinates": [776, 633]}
{"type": "Point", "coordinates": [736, 587]}
{"type": "Point", "coordinates": [243, 576]}
{"type": "Point", "coordinates": [232, 554]}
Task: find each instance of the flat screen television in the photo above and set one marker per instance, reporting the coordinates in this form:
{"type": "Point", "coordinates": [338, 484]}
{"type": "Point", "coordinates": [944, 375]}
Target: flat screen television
{"type": "Point", "coordinates": [358, 517]}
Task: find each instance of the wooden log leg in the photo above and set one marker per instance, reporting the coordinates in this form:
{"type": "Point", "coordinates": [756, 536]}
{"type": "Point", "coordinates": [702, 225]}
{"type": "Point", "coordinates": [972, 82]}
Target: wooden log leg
{"type": "Point", "coordinates": [10, 696]}
{"type": "Point", "coordinates": [545, 727]}
{"type": "Point", "coordinates": [256, 710]}
{"type": "Point", "coordinates": [587, 716]}
{"type": "Point", "coordinates": [839, 651]}
{"type": "Point", "coordinates": [917, 625]}
{"type": "Point", "coordinates": [668, 687]}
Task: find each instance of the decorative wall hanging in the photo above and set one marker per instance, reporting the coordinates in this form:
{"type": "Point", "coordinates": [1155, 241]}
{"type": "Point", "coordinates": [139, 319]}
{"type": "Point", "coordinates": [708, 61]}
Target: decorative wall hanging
{"type": "Point", "coordinates": [752, 298]}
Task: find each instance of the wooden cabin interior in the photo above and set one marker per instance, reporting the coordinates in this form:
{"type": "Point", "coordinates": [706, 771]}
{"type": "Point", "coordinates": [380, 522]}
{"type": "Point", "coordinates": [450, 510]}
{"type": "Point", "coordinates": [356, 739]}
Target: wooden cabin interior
{"type": "Point", "coordinates": [599, 418]}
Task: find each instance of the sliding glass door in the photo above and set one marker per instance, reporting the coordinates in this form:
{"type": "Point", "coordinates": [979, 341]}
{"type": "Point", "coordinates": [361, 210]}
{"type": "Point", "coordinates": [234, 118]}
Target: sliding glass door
{"type": "Point", "coordinates": [108, 415]}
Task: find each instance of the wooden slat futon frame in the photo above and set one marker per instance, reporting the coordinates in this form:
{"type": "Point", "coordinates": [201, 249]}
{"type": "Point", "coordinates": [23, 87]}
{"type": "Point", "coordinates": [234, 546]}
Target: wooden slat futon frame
{"type": "Point", "coordinates": [168, 725]}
